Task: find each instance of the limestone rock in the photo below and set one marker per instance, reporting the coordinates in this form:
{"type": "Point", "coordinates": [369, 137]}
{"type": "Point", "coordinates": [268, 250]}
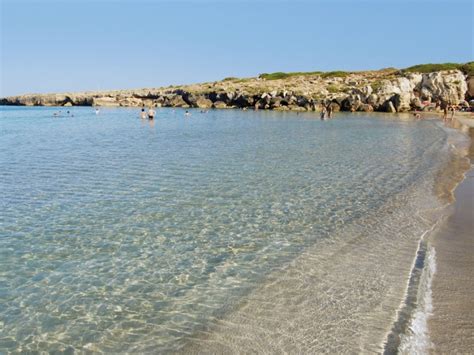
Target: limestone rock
{"type": "Point", "coordinates": [220, 104]}
{"type": "Point", "coordinates": [105, 101]}
{"type": "Point", "coordinates": [178, 101]}
{"type": "Point", "coordinates": [365, 108]}
{"type": "Point", "coordinates": [447, 86]}
{"type": "Point", "coordinates": [203, 103]}
{"type": "Point", "coordinates": [470, 87]}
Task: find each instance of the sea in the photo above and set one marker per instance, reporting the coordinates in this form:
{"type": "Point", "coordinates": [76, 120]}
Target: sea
{"type": "Point", "coordinates": [225, 231]}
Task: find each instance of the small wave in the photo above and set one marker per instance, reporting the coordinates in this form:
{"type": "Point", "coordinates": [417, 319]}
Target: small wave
{"type": "Point", "coordinates": [417, 341]}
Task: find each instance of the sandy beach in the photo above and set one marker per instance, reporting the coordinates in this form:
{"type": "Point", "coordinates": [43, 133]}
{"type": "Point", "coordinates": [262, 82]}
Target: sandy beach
{"type": "Point", "coordinates": [452, 323]}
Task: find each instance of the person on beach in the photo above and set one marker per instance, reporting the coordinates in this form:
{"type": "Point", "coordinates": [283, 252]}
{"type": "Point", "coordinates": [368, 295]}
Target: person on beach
{"type": "Point", "coordinates": [143, 114]}
{"type": "Point", "coordinates": [151, 113]}
{"type": "Point", "coordinates": [445, 113]}
{"type": "Point", "coordinates": [453, 109]}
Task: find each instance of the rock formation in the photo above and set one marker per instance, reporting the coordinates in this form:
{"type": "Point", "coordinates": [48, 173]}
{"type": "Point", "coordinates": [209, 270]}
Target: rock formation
{"type": "Point", "coordinates": [388, 90]}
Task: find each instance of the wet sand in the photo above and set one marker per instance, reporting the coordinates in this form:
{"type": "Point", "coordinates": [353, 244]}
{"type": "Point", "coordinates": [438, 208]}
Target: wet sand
{"type": "Point", "coordinates": [452, 324]}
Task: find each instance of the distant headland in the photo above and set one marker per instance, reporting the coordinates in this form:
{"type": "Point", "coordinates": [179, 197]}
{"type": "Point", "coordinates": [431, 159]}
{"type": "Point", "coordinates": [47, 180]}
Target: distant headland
{"type": "Point", "coordinates": [420, 87]}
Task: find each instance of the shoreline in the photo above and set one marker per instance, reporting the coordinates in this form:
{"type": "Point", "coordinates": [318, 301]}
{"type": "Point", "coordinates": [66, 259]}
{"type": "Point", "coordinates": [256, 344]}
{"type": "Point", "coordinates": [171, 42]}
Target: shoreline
{"type": "Point", "coordinates": [451, 324]}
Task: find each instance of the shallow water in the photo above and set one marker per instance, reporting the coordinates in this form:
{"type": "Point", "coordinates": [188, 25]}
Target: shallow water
{"type": "Point", "coordinates": [117, 234]}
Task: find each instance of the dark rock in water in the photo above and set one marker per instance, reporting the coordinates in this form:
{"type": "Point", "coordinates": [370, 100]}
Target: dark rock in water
{"type": "Point", "coordinates": [351, 103]}
{"type": "Point", "coordinates": [242, 101]}
{"type": "Point", "coordinates": [302, 101]}
{"type": "Point", "coordinates": [389, 107]}
{"type": "Point", "coordinates": [226, 97]}
{"type": "Point", "coordinates": [260, 104]}
{"type": "Point", "coordinates": [190, 99]}
{"type": "Point", "coordinates": [213, 96]}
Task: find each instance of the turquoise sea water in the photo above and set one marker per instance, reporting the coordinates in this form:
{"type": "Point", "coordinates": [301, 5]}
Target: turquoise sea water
{"type": "Point", "coordinates": [117, 234]}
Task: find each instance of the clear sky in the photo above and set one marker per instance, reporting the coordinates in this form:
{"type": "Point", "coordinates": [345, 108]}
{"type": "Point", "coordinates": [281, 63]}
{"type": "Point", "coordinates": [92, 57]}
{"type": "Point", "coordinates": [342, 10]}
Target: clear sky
{"type": "Point", "coordinates": [57, 46]}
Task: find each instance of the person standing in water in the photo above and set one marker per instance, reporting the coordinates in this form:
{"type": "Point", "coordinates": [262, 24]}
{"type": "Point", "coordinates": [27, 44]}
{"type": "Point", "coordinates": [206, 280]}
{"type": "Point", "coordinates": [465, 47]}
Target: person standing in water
{"type": "Point", "coordinates": [143, 114]}
{"type": "Point", "coordinates": [151, 113]}
{"type": "Point", "coordinates": [329, 111]}
{"type": "Point", "coordinates": [97, 111]}
{"type": "Point", "coordinates": [323, 112]}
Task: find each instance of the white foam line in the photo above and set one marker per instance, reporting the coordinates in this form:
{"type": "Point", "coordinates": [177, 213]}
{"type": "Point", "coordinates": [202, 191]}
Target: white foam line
{"type": "Point", "coordinates": [417, 341]}
{"type": "Point", "coordinates": [407, 287]}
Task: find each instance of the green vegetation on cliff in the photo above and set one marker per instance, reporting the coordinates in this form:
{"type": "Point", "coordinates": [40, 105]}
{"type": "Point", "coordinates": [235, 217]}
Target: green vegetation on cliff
{"type": "Point", "coordinates": [281, 75]}
{"type": "Point", "coordinates": [467, 68]}
{"type": "Point", "coordinates": [324, 75]}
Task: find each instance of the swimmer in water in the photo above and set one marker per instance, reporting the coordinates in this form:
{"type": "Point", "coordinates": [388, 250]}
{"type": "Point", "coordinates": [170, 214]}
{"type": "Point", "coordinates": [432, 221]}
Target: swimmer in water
{"type": "Point", "coordinates": [151, 113]}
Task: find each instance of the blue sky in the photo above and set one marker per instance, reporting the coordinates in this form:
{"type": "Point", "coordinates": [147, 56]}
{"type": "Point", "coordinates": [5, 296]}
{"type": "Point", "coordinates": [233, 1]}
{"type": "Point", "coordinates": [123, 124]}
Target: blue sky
{"type": "Point", "coordinates": [58, 46]}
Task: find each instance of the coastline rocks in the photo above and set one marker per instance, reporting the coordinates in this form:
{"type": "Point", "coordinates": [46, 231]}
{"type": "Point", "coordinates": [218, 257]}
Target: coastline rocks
{"type": "Point", "coordinates": [391, 91]}
{"type": "Point", "coordinates": [470, 87]}
{"type": "Point", "coordinates": [220, 104]}
{"type": "Point", "coordinates": [203, 103]}
{"type": "Point", "coordinates": [399, 92]}
{"type": "Point", "coordinates": [389, 107]}
{"type": "Point", "coordinates": [105, 101]}
{"type": "Point", "coordinates": [242, 101]}
{"type": "Point", "coordinates": [177, 101]}
{"type": "Point", "coordinates": [447, 86]}
{"type": "Point", "coordinates": [365, 108]}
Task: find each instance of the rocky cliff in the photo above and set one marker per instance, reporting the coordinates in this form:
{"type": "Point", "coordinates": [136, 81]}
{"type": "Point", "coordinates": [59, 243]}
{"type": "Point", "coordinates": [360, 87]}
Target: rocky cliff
{"type": "Point", "coordinates": [388, 90]}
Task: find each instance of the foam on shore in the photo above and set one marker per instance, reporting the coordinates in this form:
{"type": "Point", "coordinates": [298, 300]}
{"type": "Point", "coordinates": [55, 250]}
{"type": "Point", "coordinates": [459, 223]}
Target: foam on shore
{"type": "Point", "coordinates": [417, 341]}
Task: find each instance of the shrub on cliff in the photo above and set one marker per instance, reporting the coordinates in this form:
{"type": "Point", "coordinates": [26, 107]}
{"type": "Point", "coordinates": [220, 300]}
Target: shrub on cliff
{"type": "Point", "coordinates": [282, 75]}
{"type": "Point", "coordinates": [467, 68]}
{"type": "Point", "coordinates": [335, 74]}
